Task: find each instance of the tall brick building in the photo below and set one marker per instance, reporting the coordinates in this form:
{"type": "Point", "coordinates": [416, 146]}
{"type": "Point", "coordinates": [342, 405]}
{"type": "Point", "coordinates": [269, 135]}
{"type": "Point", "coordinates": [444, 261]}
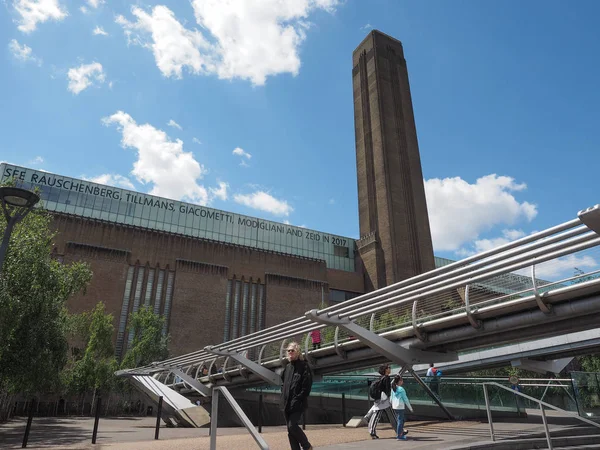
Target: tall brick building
{"type": "Point", "coordinates": [216, 275]}
{"type": "Point", "coordinates": [395, 239]}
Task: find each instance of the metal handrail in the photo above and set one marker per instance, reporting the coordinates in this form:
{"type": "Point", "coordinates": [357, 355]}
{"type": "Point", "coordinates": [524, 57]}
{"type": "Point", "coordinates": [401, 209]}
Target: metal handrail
{"type": "Point", "coordinates": [184, 361]}
{"type": "Point", "coordinates": [192, 359]}
{"type": "Point", "coordinates": [214, 414]}
{"type": "Point", "coordinates": [539, 402]}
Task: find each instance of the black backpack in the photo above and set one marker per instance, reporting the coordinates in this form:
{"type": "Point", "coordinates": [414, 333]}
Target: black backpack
{"type": "Point", "coordinates": [375, 390]}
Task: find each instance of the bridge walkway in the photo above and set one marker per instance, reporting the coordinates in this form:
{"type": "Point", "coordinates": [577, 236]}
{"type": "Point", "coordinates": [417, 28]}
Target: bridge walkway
{"type": "Point", "coordinates": [137, 434]}
{"type": "Point", "coordinates": [492, 298]}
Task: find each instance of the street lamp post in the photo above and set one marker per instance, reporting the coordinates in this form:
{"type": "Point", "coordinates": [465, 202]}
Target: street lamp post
{"type": "Point", "coordinates": [16, 204]}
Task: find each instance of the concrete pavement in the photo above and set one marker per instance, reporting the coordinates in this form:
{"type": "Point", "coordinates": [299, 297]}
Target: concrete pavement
{"type": "Point", "coordinates": [138, 433]}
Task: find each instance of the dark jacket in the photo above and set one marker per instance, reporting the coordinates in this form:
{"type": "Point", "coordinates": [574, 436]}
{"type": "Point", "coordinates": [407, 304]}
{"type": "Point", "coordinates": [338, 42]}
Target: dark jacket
{"type": "Point", "coordinates": [297, 382]}
{"type": "Point", "coordinates": [386, 385]}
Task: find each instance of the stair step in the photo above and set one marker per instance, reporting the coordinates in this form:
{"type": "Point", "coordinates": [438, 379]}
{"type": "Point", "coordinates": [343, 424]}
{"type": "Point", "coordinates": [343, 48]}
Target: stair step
{"type": "Point", "coordinates": [563, 442]}
{"type": "Point", "coordinates": [580, 447]}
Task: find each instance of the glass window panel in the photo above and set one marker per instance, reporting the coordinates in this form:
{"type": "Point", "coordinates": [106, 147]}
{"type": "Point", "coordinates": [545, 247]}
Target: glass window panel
{"type": "Point", "coordinates": [168, 216]}
{"type": "Point", "coordinates": [168, 297]}
{"type": "Point", "coordinates": [159, 290]}
{"type": "Point", "coordinates": [161, 212]}
{"type": "Point", "coordinates": [153, 213]}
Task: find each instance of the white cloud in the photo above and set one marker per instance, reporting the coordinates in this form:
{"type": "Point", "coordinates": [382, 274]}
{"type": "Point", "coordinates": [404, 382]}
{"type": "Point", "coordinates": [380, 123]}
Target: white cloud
{"type": "Point", "coordinates": [562, 268]}
{"type": "Point", "coordinates": [482, 245]}
{"type": "Point", "coordinates": [220, 192]}
{"type": "Point", "coordinates": [174, 47]}
{"type": "Point", "coordinates": [367, 26]}
{"type": "Point", "coordinates": [37, 160]}
{"type": "Point", "coordinates": [23, 52]}
{"type": "Point", "coordinates": [287, 222]}
{"type": "Point", "coordinates": [256, 39]}
{"type": "Point", "coordinates": [246, 39]}
{"type": "Point", "coordinates": [84, 76]}
{"type": "Point", "coordinates": [99, 31]}
{"type": "Point", "coordinates": [331, 201]}
{"type": "Point", "coordinates": [112, 180]}
{"type": "Point", "coordinates": [174, 124]}
{"type": "Point", "coordinates": [33, 12]}
{"type": "Point", "coordinates": [196, 141]}
{"type": "Point", "coordinates": [95, 3]}
{"type": "Point", "coordinates": [83, 9]}
{"type": "Point", "coordinates": [161, 161]}
{"type": "Point", "coordinates": [459, 211]}
{"type": "Point", "coordinates": [264, 202]}
{"type": "Point", "coordinates": [240, 152]}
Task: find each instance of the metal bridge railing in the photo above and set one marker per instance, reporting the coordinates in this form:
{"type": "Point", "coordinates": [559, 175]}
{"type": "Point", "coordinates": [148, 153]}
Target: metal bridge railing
{"type": "Point", "coordinates": [238, 411]}
{"type": "Point", "coordinates": [535, 400]}
{"type": "Point", "coordinates": [481, 285]}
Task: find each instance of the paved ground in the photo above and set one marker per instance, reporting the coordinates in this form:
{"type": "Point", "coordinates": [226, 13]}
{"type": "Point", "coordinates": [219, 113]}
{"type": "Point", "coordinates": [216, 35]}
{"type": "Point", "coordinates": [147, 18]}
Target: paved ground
{"type": "Point", "coordinates": [138, 433]}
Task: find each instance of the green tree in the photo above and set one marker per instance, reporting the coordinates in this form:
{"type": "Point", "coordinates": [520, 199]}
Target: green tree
{"type": "Point", "coordinates": [148, 343]}
{"type": "Point", "coordinates": [34, 289]}
{"type": "Point", "coordinates": [93, 370]}
{"type": "Point", "coordinates": [589, 363]}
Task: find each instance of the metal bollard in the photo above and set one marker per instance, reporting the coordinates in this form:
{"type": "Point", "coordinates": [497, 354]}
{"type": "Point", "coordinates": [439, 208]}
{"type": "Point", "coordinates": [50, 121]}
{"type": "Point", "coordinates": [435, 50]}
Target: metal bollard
{"type": "Point", "coordinates": [260, 409]}
{"type": "Point", "coordinates": [343, 409]}
{"type": "Point", "coordinates": [158, 414]}
{"type": "Point", "coordinates": [96, 420]}
{"type": "Point", "coordinates": [29, 420]}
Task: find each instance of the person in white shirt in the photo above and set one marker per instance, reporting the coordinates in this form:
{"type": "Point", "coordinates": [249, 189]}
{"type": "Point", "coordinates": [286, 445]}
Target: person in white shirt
{"type": "Point", "coordinates": [431, 372]}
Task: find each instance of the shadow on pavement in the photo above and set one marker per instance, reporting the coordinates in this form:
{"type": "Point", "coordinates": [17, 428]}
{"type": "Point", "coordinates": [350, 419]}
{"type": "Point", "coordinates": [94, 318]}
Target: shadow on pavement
{"type": "Point", "coordinates": [53, 432]}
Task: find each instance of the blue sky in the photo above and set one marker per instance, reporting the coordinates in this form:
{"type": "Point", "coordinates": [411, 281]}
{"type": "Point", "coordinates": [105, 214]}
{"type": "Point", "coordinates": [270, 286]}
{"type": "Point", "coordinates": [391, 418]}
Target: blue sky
{"type": "Point", "coordinates": [259, 99]}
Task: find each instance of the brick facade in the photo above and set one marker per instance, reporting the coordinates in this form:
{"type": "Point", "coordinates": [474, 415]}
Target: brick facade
{"type": "Point", "coordinates": [202, 270]}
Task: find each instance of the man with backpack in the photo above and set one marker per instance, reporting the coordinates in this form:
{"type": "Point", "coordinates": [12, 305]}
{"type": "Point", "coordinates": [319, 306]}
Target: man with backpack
{"type": "Point", "coordinates": [380, 391]}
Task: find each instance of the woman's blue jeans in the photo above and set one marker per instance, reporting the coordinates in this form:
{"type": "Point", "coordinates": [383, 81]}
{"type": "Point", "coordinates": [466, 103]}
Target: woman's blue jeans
{"type": "Point", "coordinates": [400, 420]}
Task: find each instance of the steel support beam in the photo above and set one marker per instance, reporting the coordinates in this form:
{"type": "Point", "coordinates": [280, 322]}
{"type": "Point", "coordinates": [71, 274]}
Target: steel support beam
{"type": "Point", "coordinates": [195, 384]}
{"type": "Point", "coordinates": [545, 308]}
{"type": "Point", "coordinates": [424, 385]}
{"type": "Point", "coordinates": [471, 312]}
{"type": "Point", "coordinates": [262, 372]}
{"type": "Point", "coordinates": [383, 346]}
{"type": "Point", "coordinates": [591, 218]}
{"type": "Point", "coordinates": [555, 366]}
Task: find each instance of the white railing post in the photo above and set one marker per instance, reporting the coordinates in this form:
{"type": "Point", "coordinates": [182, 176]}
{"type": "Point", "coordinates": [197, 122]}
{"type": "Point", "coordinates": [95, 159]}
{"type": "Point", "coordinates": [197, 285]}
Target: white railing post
{"type": "Point", "coordinates": [546, 429]}
{"type": "Point", "coordinates": [214, 414]}
{"type": "Point", "coordinates": [489, 411]}
{"type": "Point", "coordinates": [238, 411]}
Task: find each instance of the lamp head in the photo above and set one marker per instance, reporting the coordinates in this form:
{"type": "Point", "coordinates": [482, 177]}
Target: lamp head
{"type": "Point", "coordinates": [21, 198]}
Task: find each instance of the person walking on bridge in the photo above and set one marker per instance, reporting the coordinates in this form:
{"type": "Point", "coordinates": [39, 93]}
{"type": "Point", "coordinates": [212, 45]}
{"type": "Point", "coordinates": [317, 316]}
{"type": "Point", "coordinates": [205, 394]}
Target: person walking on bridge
{"type": "Point", "coordinates": [297, 383]}
{"type": "Point", "coordinates": [315, 336]}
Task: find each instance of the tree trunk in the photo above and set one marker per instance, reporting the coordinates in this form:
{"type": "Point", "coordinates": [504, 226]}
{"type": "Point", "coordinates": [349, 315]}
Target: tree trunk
{"type": "Point", "coordinates": [4, 406]}
{"type": "Point", "coordinates": [83, 403]}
